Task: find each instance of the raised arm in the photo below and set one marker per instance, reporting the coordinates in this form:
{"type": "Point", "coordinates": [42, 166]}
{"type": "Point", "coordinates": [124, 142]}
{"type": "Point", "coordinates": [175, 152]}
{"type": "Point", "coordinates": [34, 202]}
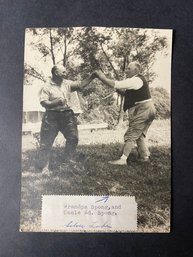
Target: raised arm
{"type": "Point", "coordinates": [79, 85]}
{"type": "Point", "coordinates": [120, 86]}
{"type": "Point", "coordinates": [104, 79]}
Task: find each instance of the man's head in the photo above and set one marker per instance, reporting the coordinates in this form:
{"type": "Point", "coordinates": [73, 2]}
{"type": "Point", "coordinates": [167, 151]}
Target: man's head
{"type": "Point", "coordinates": [58, 72]}
{"type": "Point", "coordinates": [133, 69]}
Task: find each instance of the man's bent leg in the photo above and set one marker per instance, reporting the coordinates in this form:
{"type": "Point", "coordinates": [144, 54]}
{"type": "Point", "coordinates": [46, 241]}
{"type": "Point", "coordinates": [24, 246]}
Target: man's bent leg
{"type": "Point", "coordinates": [136, 127]}
{"type": "Point", "coordinates": [142, 148]}
{"type": "Point", "coordinates": [139, 121]}
{"type": "Point", "coordinates": [128, 146]}
{"type": "Point", "coordinates": [69, 129]}
{"type": "Point", "coordinates": [49, 131]}
{"type": "Point", "coordinates": [126, 151]}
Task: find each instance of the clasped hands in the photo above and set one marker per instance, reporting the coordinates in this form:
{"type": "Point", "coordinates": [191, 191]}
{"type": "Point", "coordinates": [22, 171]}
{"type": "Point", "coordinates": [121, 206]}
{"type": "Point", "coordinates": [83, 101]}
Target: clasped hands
{"type": "Point", "coordinates": [97, 74]}
{"type": "Point", "coordinates": [61, 101]}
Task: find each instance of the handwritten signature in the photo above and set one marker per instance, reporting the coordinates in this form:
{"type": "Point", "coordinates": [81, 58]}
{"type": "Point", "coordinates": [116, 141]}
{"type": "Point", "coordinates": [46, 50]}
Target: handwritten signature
{"type": "Point", "coordinates": [98, 225]}
{"type": "Point", "coordinates": [94, 225]}
{"type": "Point", "coordinates": [74, 224]}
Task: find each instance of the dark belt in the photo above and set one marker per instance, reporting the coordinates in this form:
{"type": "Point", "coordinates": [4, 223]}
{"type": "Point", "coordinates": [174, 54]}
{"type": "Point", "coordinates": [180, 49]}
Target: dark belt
{"type": "Point", "coordinates": [58, 111]}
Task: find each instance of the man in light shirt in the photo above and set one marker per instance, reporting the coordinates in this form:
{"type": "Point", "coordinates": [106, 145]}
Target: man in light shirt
{"type": "Point", "coordinates": [140, 108]}
{"type": "Point", "coordinates": [59, 116]}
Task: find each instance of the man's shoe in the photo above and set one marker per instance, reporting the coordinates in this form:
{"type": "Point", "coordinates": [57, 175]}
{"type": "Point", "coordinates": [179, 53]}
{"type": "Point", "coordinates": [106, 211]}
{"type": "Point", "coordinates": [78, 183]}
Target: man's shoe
{"type": "Point", "coordinates": [118, 162]}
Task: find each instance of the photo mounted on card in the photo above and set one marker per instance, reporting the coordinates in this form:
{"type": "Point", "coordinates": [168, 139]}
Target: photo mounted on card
{"type": "Point", "coordinates": [96, 132]}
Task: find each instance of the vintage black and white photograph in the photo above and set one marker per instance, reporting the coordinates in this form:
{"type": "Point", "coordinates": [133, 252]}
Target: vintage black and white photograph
{"type": "Point", "coordinates": [96, 119]}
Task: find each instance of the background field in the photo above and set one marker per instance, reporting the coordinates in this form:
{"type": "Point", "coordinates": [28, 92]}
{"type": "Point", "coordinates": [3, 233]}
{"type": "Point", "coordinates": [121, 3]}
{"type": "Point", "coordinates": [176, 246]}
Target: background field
{"type": "Point", "coordinates": [91, 174]}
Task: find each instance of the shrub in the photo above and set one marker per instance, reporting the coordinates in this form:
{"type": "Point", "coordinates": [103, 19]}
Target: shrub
{"type": "Point", "coordinates": [162, 102]}
{"type": "Point", "coordinates": [97, 110]}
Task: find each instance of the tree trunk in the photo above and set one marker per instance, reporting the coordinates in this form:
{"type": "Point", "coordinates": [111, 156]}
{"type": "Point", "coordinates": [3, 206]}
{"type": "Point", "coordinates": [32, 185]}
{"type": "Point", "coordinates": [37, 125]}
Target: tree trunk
{"type": "Point", "coordinates": [52, 48]}
{"type": "Point", "coordinates": [31, 71]}
{"type": "Point", "coordinates": [121, 114]}
{"type": "Point", "coordinates": [65, 50]}
{"type": "Point", "coordinates": [125, 62]}
{"type": "Point", "coordinates": [97, 64]}
{"type": "Point", "coordinates": [109, 61]}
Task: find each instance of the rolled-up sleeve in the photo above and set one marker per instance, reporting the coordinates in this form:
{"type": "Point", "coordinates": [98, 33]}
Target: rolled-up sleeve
{"type": "Point", "coordinates": [44, 94]}
{"type": "Point", "coordinates": [130, 83]}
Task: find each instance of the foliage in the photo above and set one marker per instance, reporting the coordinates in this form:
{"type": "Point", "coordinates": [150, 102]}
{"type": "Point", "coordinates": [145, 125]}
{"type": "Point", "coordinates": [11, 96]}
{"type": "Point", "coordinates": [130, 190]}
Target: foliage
{"type": "Point", "coordinates": [162, 102]}
{"type": "Point", "coordinates": [30, 73]}
{"type": "Point", "coordinates": [82, 50]}
{"type": "Point", "coordinates": [108, 49]}
{"type": "Point", "coordinates": [97, 109]}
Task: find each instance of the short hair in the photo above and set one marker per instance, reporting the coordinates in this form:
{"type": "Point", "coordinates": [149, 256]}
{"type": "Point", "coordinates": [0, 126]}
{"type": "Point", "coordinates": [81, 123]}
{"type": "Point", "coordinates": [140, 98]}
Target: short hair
{"type": "Point", "coordinates": [53, 70]}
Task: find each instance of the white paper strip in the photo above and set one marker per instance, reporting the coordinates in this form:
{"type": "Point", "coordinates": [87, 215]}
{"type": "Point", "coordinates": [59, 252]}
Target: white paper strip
{"type": "Point", "coordinates": [75, 213]}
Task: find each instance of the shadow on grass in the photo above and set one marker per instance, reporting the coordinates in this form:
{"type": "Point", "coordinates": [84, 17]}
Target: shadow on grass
{"type": "Point", "coordinates": [92, 175]}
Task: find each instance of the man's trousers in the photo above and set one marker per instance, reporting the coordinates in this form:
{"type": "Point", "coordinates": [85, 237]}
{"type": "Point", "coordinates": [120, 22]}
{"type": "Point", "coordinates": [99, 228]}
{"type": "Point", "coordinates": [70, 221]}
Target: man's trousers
{"type": "Point", "coordinates": [52, 123]}
{"type": "Point", "coordinates": [140, 119]}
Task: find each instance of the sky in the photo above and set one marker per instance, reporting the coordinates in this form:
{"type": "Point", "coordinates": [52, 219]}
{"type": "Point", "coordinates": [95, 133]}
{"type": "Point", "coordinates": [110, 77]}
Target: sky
{"type": "Point", "coordinates": [162, 66]}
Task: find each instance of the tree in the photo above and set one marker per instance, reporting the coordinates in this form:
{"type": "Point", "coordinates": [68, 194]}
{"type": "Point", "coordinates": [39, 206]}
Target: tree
{"type": "Point", "coordinates": [111, 49]}
{"type": "Point", "coordinates": [82, 50]}
{"type": "Point", "coordinates": [162, 102]}
{"type": "Point", "coordinates": [32, 72]}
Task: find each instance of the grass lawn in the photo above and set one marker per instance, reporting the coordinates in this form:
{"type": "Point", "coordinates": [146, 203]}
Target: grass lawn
{"type": "Point", "coordinates": [92, 175]}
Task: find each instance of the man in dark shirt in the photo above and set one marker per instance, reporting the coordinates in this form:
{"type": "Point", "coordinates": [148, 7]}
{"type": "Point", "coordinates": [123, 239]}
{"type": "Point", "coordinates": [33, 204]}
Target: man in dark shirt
{"type": "Point", "coordinates": [55, 97]}
{"type": "Point", "coordinates": [140, 109]}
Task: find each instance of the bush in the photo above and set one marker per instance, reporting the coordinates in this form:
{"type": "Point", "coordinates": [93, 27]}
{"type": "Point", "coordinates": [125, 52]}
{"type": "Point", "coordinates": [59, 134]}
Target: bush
{"type": "Point", "coordinates": [162, 102]}
{"type": "Point", "coordinates": [97, 110]}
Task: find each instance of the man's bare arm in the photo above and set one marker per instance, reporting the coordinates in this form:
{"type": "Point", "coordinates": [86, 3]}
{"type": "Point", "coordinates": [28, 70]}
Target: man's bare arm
{"type": "Point", "coordinates": [53, 103]}
{"type": "Point", "coordinates": [104, 79]}
{"type": "Point", "coordinates": [83, 83]}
